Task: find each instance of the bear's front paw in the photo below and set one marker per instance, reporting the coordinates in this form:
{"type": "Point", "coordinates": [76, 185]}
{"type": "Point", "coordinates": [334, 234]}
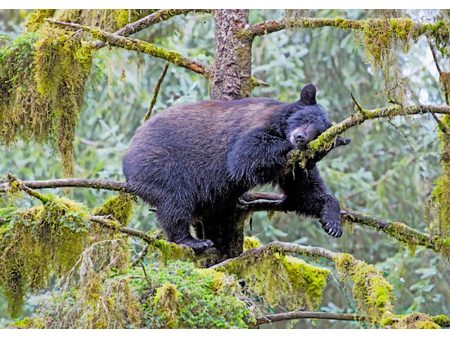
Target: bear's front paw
{"type": "Point", "coordinates": [332, 228]}
{"type": "Point", "coordinates": [198, 245]}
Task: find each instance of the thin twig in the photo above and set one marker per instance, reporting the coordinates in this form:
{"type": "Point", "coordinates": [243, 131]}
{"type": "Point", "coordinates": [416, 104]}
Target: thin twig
{"type": "Point", "coordinates": [71, 183]}
{"type": "Point", "coordinates": [156, 91]}
{"type": "Point", "coordinates": [272, 318]}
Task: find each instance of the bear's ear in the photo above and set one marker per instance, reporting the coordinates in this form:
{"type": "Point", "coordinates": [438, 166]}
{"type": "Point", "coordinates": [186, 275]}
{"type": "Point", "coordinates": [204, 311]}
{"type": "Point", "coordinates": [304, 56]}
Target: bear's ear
{"type": "Point", "coordinates": [308, 94]}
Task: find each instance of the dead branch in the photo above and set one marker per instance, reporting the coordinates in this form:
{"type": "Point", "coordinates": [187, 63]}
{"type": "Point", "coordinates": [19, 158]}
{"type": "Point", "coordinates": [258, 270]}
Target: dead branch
{"type": "Point", "coordinates": [156, 91]}
{"type": "Point", "coordinates": [112, 224]}
{"type": "Point", "coordinates": [70, 183]}
{"type": "Point", "coordinates": [272, 318]}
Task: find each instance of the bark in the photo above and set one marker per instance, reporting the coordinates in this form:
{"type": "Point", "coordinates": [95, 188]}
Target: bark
{"type": "Point", "coordinates": [232, 72]}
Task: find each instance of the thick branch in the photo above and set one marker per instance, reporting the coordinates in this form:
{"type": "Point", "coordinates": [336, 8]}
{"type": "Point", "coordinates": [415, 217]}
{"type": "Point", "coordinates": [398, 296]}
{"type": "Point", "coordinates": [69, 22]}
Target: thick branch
{"type": "Point", "coordinates": [400, 231]}
{"type": "Point", "coordinates": [271, 318]}
{"type": "Point", "coordinates": [139, 46]}
{"type": "Point", "coordinates": [279, 247]}
{"type": "Point", "coordinates": [326, 139]}
{"type": "Point", "coordinates": [272, 26]}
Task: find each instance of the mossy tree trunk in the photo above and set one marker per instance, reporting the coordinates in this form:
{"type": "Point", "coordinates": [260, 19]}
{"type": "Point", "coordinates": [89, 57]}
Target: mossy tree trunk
{"type": "Point", "coordinates": [231, 80]}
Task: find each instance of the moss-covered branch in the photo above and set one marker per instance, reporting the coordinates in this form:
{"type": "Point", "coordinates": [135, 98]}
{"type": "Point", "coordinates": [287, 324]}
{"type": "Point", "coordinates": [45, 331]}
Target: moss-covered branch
{"type": "Point", "coordinates": [400, 231]}
{"type": "Point", "coordinates": [402, 26]}
{"type": "Point", "coordinates": [256, 202]}
{"type": "Point", "coordinates": [139, 46]}
{"type": "Point", "coordinates": [154, 18]}
{"type": "Point", "coordinates": [325, 140]}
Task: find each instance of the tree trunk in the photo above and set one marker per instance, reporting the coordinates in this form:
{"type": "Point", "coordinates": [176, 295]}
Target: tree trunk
{"type": "Point", "coordinates": [233, 60]}
{"type": "Point", "coordinates": [231, 80]}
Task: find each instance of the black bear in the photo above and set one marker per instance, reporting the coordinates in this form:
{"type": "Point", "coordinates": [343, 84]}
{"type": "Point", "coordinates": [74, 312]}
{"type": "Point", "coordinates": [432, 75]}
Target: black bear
{"type": "Point", "coordinates": [193, 162]}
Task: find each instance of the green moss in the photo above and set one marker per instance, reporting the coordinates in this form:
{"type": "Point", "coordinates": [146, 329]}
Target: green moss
{"type": "Point", "coordinates": [187, 297]}
{"type": "Point", "coordinates": [28, 323]}
{"type": "Point", "coordinates": [100, 303]}
{"type": "Point", "coordinates": [107, 19]}
{"type": "Point", "coordinates": [43, 78]}
{"type": "Point", "coordinates": [281, 280]}
{"type": "Point", "coordinates": [415, 321]}
{"type": "Point", "coordinates": [166, 302]}
{"type": "Point", "coordinates": [37, 244]}
{"type": "Point", "coordinates": [442, 320]}
{"type": "Point", "coordinates": [251, 243]}
{"type": "Point", "coordinates": [121, 207]}
{"type": "Point", "coordinates": [441, 191]}
{"type": "Point", "coordinates": [36, 19]}
{"type": "Point", "coordinates": [372, 293]}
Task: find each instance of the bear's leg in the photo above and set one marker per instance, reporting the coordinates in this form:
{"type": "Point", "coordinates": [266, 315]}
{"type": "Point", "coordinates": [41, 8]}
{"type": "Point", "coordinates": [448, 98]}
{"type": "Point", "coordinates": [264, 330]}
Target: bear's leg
{"type": "Point", "coordinates": [176, 224]}
{"type": "Point", "coordinates": [307, 194]}
{"type": "Point", "coordinates": [224, 225]}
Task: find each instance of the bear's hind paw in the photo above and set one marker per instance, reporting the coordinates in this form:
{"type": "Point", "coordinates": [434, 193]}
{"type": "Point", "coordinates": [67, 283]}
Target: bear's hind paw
{"type": "Point", "coordinates": [198, 245]}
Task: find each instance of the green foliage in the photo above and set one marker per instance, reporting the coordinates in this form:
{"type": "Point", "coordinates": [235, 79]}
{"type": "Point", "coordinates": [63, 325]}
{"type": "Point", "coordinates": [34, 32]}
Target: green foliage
{"type": "Point", "coordinates": [37, 244]}
{"type": "Point", "coordinates": [121, 207]}
{"type": "Point", "coordinates": [372, 293]}
{"type": "Point", "coordinates": [281, 280]}
{"type": "Point", "coordinates": [182, 296]}
{"type": "Point", "coordinates": [441, 192]}
{"type": "Point", "coordinates": [43, 77]}
{"type": "Point", "coordinates": [107, 19]}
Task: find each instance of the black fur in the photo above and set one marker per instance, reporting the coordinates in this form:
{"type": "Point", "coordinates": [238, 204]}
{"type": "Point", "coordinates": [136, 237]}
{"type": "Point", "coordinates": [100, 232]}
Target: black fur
{"type": "Point", "coordinates": [192, 162]}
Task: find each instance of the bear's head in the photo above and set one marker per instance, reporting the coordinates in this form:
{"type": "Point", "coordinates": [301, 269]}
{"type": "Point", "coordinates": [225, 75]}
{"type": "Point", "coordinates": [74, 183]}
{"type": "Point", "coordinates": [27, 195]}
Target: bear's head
{"type": "Point", "coordinates": [308, 119]}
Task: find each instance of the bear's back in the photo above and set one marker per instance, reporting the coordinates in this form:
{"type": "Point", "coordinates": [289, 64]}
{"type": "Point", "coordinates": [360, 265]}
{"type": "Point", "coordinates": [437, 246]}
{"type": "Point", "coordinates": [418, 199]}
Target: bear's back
{"type": "Point", "coordinates": [188, 143]}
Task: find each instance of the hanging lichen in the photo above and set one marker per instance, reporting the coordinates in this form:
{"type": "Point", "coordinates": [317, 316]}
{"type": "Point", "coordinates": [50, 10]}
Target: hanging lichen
{"type": "Point", "coordinates": [441, 192]}
{"type": "Point", "coordinates": [381, 38]}
{"type": "Point", "coordinates": [37, 244]}
{"type": "Point", "coordinates": [372, 293]}
{"type": "Point", "coordinates": [42, 78]}
{"type": "Point", "coordinates": [281, 280]}
{"type": "Point", "coordinates": [107, 19]}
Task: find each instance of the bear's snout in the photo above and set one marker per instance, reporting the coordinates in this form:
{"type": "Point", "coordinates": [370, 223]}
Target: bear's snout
{"type": "Point", "coordinates": [300, 137]}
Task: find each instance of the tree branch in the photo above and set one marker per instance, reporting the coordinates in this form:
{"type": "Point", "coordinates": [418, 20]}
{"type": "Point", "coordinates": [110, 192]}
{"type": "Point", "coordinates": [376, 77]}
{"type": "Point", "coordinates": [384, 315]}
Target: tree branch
{"type": "Point", "coordinates": [154, 18]}
{"type": "Point", "coordinates": [271, 318]}
{"type": "Point", "coordinates": [400, 231]}
{"type": "Point", "coordinates": [272, 26]}
{"type": "Point", "coordinates": [326, 139]}
{"type": "Point", "coordinates": [156, 91]}
{"type": "Point", "coordinates": [70, 183]}
{"type": "Point", "coordinates": [150, 20]}
{"type": "Point", "coordinates": [139, 46]}
{"type": "Point", "coordinates": [278, 247]}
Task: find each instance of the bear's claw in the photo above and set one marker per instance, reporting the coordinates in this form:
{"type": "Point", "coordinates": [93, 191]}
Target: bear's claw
{"type": "Point", "coordinates": [198, 245]}
{"type": "Point", "coordinates": [334, 229]}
